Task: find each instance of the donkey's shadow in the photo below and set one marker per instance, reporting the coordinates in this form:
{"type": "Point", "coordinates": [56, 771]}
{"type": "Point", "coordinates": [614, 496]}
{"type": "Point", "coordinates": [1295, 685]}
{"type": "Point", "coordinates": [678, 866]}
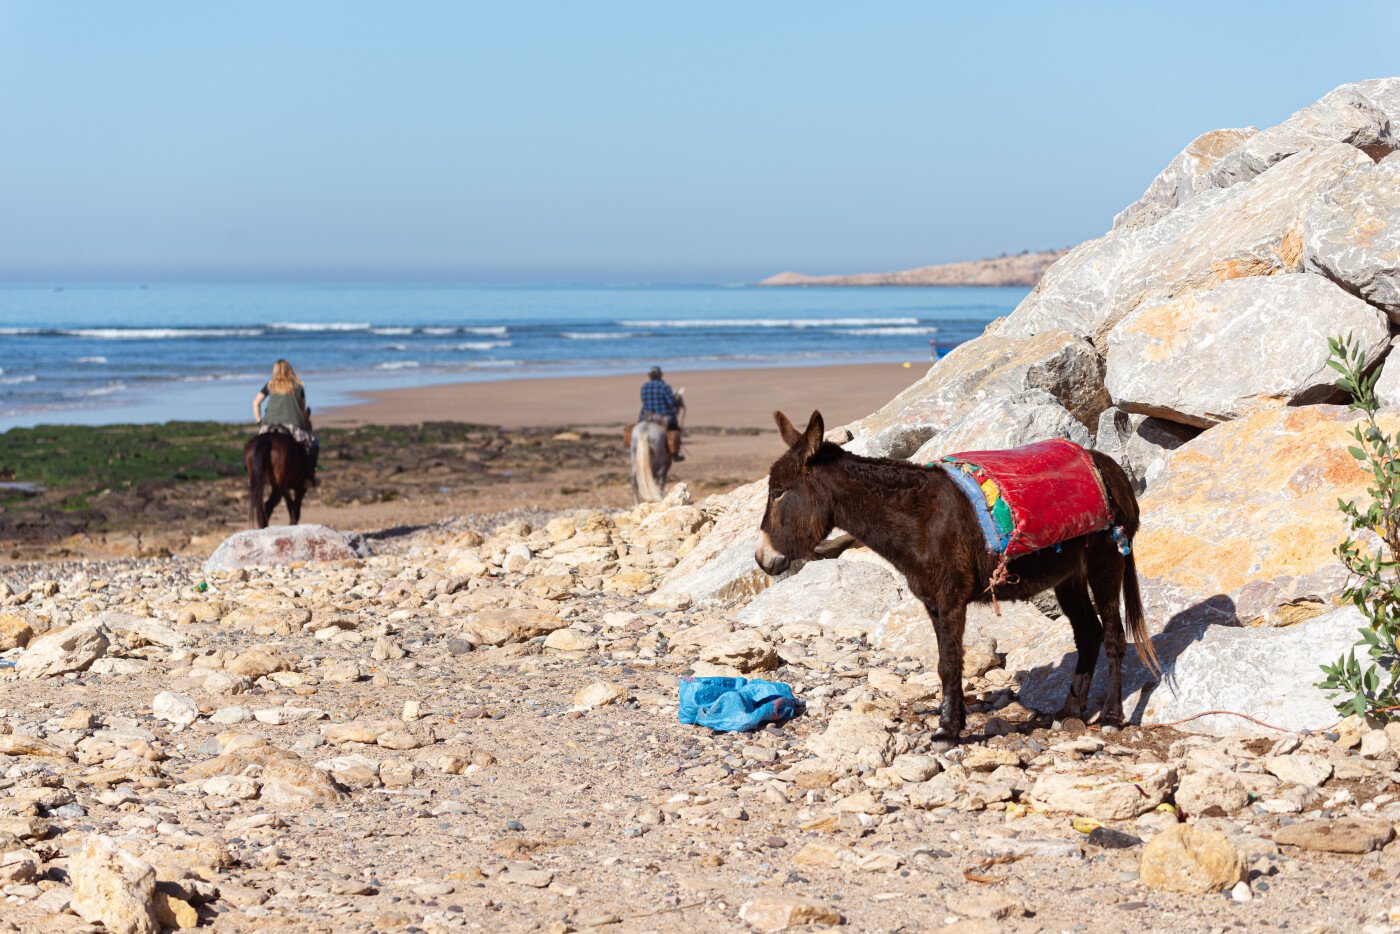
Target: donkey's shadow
{"type": "Point", "coordinates": [1043, 688]}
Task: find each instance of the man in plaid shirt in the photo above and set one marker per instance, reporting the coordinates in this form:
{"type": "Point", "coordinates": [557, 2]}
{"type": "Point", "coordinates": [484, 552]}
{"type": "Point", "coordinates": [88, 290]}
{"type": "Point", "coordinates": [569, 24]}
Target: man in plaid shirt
{"type": "Point", "coordinates": [661, 404]}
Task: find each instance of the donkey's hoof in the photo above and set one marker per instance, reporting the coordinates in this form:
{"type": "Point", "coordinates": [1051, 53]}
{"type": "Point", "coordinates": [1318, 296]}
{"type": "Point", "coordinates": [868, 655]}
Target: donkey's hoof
{"type": "Point", "coordinates": [942, 740]}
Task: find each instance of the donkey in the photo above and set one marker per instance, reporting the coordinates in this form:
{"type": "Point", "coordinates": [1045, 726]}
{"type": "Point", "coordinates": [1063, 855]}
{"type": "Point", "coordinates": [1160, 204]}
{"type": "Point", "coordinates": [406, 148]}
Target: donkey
{"type": "Point", "coordinates": [917, 518]}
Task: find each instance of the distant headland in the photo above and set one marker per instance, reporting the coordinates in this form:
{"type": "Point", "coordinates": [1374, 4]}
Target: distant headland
{"type": "Point", "coordinates": [1022, 269]}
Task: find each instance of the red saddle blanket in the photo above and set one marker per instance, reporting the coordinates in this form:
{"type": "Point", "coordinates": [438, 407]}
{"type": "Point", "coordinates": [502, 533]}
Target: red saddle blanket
{"type": "Point", "coordinates": [1032, 497]}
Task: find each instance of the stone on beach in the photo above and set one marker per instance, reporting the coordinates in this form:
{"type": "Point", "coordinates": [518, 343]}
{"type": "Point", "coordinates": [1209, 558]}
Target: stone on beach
{"type": "Point", "coordinates": [285, 544]}
{"type": "Point", "coordinates": [113, 887]}
{"type": "Point", "coordinates": [62, 651]}
{"type": "Point", "coordinates": [1192, 861]}
{"type": "Point", "coordinates": [784, 912]}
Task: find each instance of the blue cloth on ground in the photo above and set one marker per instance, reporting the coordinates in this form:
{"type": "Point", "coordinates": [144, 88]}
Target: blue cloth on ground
{"type": "Point", "coordinates": [734, 705]}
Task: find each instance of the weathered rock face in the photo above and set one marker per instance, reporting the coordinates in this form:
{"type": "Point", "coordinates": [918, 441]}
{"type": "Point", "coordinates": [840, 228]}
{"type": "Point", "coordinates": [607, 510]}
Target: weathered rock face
{"type": "Point", "coordinates": [1250, 229]}
{"type": "Point", "coordinates": [1183, 178]}
{"type": "Point", "coordinates": [1247, 344]}
{"type": "Point", "coordinates": [1352, 234]}
{"type": "Point", "coordinates": [988, 368]}
{"type": "Point", "coordinates": [1388, 385]}
{"type": "Point", "coordinates": [721, 568]}
{"type": "Point", "coordinates": [1007, 422]}
{"type": "Point", "coordinates": [1350, 115]}
{"type": "Point", "coordinates": [843, 595]}
{"type": "Point", "coordinates": [285, 544]}
{"type": "Point", "coordinates": [113, 887]}
{"type": "Point", "coordinates": [62, 651]}
{"type": "Point", "coordinates": [1242, 524]}
{"type": "Point", "coordinates": [1140, 444]}
{"type": "Point", "coordinates": [1266, 672]}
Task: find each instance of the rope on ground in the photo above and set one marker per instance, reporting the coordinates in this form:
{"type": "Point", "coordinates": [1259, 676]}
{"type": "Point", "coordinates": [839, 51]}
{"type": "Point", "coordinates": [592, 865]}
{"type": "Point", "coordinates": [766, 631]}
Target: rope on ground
{"type": "Point", "coordinates": [1231, 713]}
{"type": "Point", "coordinates": [1234, 713]}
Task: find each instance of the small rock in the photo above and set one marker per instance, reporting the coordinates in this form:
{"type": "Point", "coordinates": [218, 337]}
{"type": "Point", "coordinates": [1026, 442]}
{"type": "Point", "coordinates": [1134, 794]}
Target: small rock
{"type": "Point", "coordinates": [179, 709]}
{"type": "Point", "coordinates": [783, 912]}
{"type": "Point", "coordinates": [56, 653]}
{"type": "Point", "coordinates": [915, 768]}
{"type": "Point", "coordinates": [1211, 788]}
{"type": "Point", "coordinates": [991, 906]}
{"type": "Point", "coordinates": [1190, 860]}
{"type": "Point", "coordinates": [1300, 768]}
{"type": "Point", "coordinates": [1344, 835]}
{"type": "Point", "coordinates": [113, 887]}
{"type": "Point", "coordinates": [599, 694]}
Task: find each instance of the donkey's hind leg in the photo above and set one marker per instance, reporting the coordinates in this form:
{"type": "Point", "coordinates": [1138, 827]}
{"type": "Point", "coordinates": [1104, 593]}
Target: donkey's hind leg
{"type": "Point", "coordinates": [1088, 636]}
{"type": "Point", "coordinates": [1105, 582]}
{"type": "Point", "coordinates": [294, 504]}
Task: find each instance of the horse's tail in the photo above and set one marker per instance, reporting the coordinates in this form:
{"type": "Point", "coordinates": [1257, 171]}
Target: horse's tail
{"type": "Point", "coordinates": [257, 457]}
{"type": "Point", "coordinates": [645, 489]}
{"type": "Point", "coordinates": [1127, 516]}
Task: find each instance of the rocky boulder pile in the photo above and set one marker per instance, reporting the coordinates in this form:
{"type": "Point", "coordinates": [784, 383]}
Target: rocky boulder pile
{"type": "Point", "coordinates": [1190, 343]}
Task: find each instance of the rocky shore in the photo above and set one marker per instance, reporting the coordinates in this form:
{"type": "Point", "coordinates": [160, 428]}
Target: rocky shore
{"type": "Point", "coordinates": [474, 728]}
{"type": "Point", "coordinates": [471, 725]}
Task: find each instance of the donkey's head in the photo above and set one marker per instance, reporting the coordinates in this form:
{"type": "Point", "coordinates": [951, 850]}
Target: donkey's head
{"type": "Point", "coordinates": [799, 513]}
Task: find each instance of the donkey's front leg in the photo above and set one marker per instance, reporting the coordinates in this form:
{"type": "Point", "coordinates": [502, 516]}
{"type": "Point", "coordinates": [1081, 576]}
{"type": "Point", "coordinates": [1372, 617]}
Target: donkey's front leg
{"type": "Point", "coordinates": [948, 626]}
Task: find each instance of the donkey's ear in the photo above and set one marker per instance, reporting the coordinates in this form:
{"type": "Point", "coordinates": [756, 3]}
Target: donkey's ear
{"type": "Point", "coordinates": [812, 437]}
{"type": "Point", "coordinates": [786, 428]}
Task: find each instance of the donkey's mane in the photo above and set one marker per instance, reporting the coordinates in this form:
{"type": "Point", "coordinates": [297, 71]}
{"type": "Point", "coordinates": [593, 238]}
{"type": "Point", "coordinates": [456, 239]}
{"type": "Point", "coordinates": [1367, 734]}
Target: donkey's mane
{"type": "Point", "coordinates": [878, 474]}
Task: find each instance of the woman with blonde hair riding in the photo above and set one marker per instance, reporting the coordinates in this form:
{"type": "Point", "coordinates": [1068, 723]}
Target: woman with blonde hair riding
{"type": "Point", "coordinates": [286, 410]}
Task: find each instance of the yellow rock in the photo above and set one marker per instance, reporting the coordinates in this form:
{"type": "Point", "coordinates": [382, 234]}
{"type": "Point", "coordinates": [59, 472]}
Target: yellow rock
{"type": "Point", "coordinates": [174, 912]}
{"type": "Point", "coordinates": [15, 631]}
{"type": "Point", "coordinates": [1247, 512]}
{"type": "Point", "coordinates": [1186, 859]}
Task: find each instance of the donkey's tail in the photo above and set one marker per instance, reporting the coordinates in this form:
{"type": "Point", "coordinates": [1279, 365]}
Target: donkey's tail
{"type": "Point", "coordinates": [1137, 621]}
{"type": "Point", "coordinates": [256, 457]}
{"type": "Point", "coordinates": [1125, 508]}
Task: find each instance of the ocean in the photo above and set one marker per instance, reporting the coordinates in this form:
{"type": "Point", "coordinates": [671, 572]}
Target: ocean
{"type": "Point", "coordinates": [106, 354]}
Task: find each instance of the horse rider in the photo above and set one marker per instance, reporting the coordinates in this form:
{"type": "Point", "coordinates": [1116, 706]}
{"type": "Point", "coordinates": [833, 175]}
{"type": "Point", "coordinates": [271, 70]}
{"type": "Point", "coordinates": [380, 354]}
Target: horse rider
{"type": "Point", "coordinates": [661, 405]}
{"type": "Point", "coordinates": [286, 411]}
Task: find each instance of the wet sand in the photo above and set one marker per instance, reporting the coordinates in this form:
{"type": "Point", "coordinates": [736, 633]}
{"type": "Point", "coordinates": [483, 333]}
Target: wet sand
{"type": "Point", "coordinates": [715, 398]}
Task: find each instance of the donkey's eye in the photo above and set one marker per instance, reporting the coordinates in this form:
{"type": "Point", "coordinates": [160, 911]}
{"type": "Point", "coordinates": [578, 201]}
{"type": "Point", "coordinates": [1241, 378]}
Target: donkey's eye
{"type": "Point", "coordinates": [779, 495]}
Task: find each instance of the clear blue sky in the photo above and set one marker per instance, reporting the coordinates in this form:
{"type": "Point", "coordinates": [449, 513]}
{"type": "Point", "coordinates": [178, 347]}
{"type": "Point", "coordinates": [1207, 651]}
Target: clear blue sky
{"type": "Point", "coordinates": [601, 141]}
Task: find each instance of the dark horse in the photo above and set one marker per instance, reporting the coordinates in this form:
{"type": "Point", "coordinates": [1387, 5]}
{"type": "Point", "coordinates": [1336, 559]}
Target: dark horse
{"type": "Point", "coordinates": [277, 458]}
{"type": "Point", "coordinates": [918, 519]}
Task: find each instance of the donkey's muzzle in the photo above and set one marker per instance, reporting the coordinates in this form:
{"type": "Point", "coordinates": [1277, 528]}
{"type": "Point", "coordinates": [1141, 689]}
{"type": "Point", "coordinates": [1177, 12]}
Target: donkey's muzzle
{"type": "Point", "coordinates": [772, 561]}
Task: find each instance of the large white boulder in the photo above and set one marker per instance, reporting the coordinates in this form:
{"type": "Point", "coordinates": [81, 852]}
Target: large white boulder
{"type": "Point", "coordinates": [984, 370]}
{"type": "Point", "coordinates": [1184, 177]}
{"type": "Point", "coordinates": [1267, 672]}
{"type": "Point", "coordinates": [1140, 444]}
{"type": "Point", "coordinates": [1351, 114]}
{"type": "Point", "coordinates": [1352, 234]}
{"type": "Point", "coordinates": [1242, 524]}
{"type": "Point", "coordinates": [1250, 229]}
{"type": "Point", "coordinates": [1212, 356]}
{"type": "Point", "coordinates": [1006, 422]}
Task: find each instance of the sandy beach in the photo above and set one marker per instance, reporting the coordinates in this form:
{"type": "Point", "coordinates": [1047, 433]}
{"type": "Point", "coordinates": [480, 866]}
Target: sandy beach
{"type": "Point", "coordinates": [715, 398]}
{"type": "Point", "coordinates": [534, 445]}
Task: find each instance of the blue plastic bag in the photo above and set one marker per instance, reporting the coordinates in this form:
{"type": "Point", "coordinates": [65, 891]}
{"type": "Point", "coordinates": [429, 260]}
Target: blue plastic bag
{"type": "Point", "coordinates": [734, 705]}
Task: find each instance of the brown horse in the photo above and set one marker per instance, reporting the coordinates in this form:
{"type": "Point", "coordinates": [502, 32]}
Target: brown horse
{"type": "Point", "coordinates": [277, 458]}
{"type": "Point", "coordinates": [920, 521]}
